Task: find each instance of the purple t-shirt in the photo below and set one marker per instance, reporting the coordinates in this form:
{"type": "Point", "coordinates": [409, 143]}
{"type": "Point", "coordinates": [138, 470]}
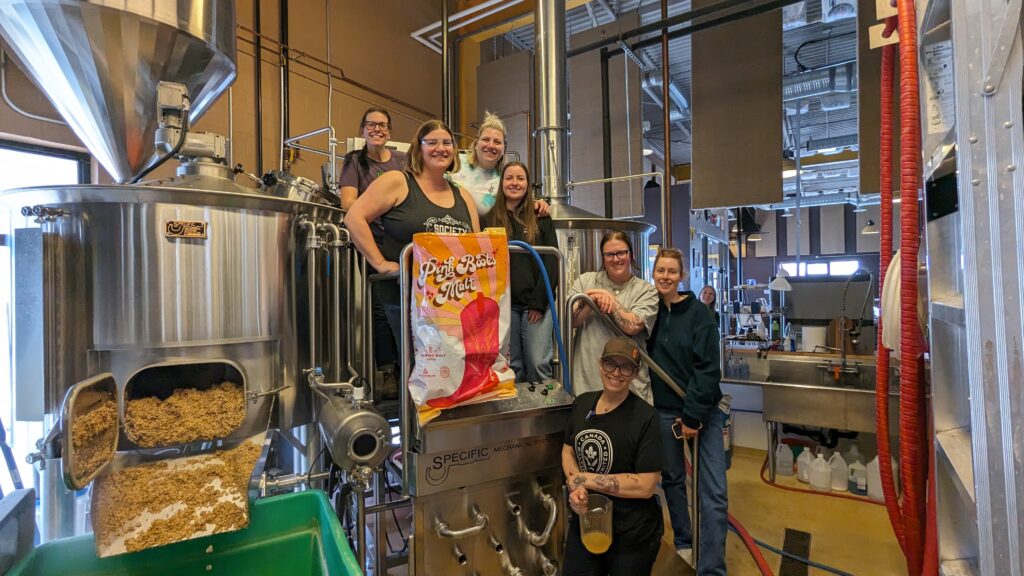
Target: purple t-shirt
{"type": "Point", "coordinates": [352, 174]}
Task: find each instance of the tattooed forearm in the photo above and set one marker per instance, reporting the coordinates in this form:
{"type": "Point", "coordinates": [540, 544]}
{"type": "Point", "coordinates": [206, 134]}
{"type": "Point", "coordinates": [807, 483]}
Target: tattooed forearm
{"type": "Point", "coordinates": [627, 320]}
{"type": "Point", "coordinates": [607, 484]}
{"type": "Point", "coordinates": [634, 478]}
{"type": "Point", "coordinates": [577, 481]}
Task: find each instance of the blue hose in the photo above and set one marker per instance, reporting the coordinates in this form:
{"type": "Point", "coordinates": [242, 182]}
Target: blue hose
{"type": "Point", "coordinates": [792, 556]}
{"type": "Point", "coordinates": [554, 311]}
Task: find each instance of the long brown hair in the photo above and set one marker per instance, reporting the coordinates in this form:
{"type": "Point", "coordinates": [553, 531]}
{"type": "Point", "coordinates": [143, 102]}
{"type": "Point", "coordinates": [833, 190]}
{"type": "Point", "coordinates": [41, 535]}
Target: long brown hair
{"type": "Point", "coordinates": [414, 159]}
{"type": "Point", "coordinates": [524, 214]}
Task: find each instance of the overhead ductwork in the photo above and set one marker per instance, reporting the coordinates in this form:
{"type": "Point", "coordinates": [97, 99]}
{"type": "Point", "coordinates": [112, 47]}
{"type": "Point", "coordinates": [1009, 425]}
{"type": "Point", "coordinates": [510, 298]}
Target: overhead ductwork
{"type": "Point", "coordinates": [838, 78]}
{"type": "Point", "coordinates": [824, 200]}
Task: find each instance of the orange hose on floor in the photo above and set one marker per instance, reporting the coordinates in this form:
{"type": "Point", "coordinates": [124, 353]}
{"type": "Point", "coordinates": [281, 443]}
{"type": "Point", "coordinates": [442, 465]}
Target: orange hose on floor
{"type": "Point", "coordinates": [755, 552]}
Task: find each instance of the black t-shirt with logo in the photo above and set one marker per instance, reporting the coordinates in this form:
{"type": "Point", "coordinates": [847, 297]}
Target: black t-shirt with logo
{"type": "Point", "coordinates": [627, 439]}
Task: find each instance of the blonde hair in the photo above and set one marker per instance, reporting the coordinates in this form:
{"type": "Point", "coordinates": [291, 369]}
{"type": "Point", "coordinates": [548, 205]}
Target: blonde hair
{"type": "Point", "coordinates": [493, 122]}
{"type": "Point", "coordinates": [524, 214]}
{"type": "Point", "coordinates": [414, 158]}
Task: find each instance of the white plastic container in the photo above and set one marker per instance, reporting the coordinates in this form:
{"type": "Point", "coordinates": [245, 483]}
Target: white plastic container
{"type": "Point", "coordinates": [874, 481]}
{"type": "Point", "coordinates": [857, 476]}
{"type": "Point", "coordinates": [783, 460]}
{"type": "Point", "coordinates": [803, 465]}
{"type": "Point", "coordinates": [852, 455]}
{"type": "Point", "coordinates": [840, 472]}
{"type": "Point", "coordinates": [821, 475]}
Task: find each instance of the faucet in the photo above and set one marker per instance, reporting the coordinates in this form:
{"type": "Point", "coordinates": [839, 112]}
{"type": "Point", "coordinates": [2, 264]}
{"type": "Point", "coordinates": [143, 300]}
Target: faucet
{"type": "Point", "coordinates": [854, 332]}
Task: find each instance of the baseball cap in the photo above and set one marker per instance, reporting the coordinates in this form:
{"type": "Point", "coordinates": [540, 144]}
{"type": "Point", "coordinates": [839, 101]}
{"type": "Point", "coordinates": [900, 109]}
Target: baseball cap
{"type": "Point", "coordinates": [622, 347]}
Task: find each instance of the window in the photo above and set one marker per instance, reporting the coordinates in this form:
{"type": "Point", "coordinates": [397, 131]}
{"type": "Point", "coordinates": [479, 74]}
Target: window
{"type": "Point", "coordinates": [21, 166]}
{"type": "Point", "coordinates": [822, 268]}
{"type": "Point", "coordinates": [843, 267]}
{"type": "Point", "coordinates": [817, 269]}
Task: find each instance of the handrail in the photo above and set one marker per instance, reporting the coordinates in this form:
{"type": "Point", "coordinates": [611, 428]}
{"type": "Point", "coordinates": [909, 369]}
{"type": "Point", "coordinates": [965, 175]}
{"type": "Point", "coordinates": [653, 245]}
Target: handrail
{"type": "Point", "coordinates": [656, 175]}
{"type": "Point", "coordinates": [582, 297]}
{"type": "Point", "coordinates": [695, 451]}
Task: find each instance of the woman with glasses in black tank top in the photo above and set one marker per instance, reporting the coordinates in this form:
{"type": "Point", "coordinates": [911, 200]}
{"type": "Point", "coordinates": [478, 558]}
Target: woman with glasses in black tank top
{"type": "Point", "coordinates": [418, 199]}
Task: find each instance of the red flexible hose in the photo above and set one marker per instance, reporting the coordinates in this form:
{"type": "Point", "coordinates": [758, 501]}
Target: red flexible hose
{"type": "Point", "coordinates": [764, 468]}
{"type": "Point", "coordinates": [913, 448]}
{"type": "Point", "coordinates": [892, 504]}
{"type": "Point", "coordinates": [755, 552]}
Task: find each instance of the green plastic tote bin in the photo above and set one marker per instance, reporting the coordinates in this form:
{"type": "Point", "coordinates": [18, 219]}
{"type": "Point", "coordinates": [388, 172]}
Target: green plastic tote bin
{"type": "Point", "coordinates": [292, 534]}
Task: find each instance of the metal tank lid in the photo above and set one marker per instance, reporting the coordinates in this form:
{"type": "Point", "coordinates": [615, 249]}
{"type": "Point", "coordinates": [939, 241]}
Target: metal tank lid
{"type": "Point", "coordinates": [19, 198]}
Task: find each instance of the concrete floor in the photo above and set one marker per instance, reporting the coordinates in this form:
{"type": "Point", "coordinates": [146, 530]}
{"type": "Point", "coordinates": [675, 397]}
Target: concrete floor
{"type": "Point", "coordinates": [852, 536]}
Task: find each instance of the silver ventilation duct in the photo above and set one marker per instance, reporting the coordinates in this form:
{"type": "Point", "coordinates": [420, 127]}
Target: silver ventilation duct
{"type": "Point", "coordinates": [100, 61]}
{"type": "Point", "coordinates": [550, 138]}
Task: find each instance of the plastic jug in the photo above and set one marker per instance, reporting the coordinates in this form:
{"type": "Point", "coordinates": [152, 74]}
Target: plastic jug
{"type": "Point", "coordinates": [821, 475]}
{"type": "Point", "coordinates": [803, 465]}
{"type": "Point", "coordinates": [858, 478]}
{"type": "Point", "coordinates": [783, 460]}
{"type": "Point", "coordinates": [853, 454]}
{"type": "Point", "coordinates": [840, 472]}
{"type": "Point", "coordinates": [874, 481]}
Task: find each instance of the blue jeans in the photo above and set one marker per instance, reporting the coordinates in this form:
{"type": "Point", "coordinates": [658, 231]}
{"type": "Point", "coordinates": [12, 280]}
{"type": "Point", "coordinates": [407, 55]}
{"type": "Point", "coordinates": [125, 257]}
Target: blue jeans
{"type": "Point", "coordinates": [531, 349]}
{"type": "Point", "coordinates": [712, 485]}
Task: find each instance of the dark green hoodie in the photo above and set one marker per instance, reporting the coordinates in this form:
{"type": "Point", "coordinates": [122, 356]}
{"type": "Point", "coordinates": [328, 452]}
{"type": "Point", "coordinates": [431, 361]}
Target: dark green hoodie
{"type": "Point", "coordinates": [685, 344]}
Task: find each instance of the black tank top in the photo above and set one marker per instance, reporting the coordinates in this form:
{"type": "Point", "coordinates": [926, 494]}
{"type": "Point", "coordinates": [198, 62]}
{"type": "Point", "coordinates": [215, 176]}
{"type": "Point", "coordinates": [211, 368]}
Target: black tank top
{"type": "Point", "coordinates": [418, 214]}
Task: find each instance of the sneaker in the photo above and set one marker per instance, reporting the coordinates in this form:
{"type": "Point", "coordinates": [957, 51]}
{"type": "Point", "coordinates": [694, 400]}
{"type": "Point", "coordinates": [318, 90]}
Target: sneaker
{"type": "Point", "coordinates": [686, 554]}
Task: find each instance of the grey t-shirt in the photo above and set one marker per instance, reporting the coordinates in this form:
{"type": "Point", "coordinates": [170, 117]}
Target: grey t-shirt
{"type": "Point", "coordinates": [636, 296]}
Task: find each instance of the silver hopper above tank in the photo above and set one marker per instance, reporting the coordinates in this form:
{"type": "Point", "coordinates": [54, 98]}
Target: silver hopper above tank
{"type": "Point", "coordinates": [100, 62]}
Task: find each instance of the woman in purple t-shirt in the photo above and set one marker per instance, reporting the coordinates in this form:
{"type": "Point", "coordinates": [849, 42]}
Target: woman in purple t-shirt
{"type": "Point", "coordinates": [363, 166]}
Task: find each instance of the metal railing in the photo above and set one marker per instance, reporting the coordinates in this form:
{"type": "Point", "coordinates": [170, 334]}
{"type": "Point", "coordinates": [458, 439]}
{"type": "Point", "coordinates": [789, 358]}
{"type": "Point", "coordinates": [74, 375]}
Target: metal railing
{"type": "Point", "coordinates": [653, 367]}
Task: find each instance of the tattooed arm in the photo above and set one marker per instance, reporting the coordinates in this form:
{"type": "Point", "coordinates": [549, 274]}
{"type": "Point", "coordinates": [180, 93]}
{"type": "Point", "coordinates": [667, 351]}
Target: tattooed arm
{"type": "Point", "coordinates": [629, 322]}
{"type": "Point", "coordinates": [625, 485]}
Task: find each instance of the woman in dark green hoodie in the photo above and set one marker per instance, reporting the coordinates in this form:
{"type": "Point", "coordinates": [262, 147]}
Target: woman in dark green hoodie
{"type": "Point", "coordinates": [685, 344]}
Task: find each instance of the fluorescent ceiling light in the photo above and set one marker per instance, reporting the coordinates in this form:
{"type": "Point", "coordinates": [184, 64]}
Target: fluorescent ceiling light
{"type": "Point", "coordinates": [791, 173]}
{"type": "Point", "coordinates": [755, 237]}
{"type": "Point", "coordinates": [786, 213]}
{"type": "Point", "coordinates": [648, 151]}
{"type": "Point", "coordinates": [860, 209]}
{"type": "Point", "coordinates": [869, 228]}
{"type": "Point", "coordinates": [897, 200]}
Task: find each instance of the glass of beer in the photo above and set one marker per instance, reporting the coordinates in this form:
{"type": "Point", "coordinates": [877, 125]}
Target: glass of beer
{"type": "Point", "coordinates": [596, 524]}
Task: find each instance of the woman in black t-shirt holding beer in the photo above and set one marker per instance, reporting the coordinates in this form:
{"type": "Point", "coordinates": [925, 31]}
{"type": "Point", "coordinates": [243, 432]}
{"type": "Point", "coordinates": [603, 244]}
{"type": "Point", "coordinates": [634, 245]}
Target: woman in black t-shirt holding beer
{"type": "Point", "coordinates": [613, 446]}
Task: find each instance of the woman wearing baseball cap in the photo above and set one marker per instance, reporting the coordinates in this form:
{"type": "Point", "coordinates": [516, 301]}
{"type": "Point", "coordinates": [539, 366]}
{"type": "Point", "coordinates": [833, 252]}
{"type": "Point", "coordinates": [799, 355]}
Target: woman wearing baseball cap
{"type": "Point", "coordinates": [613, 446]}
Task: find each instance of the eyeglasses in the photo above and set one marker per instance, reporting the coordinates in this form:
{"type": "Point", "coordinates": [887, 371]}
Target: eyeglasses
{"type": "Point", "coordinates": [434, 142]}
{"type": "Point", "coordinates": [371, 125]}
{"type": "Point", "coordinates": [610, 366]}
{"type": "Point", "coordinates": [616, 255]}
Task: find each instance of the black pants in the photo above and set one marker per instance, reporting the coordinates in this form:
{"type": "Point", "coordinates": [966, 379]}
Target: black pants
{"type": "Point", "coordinates": [622, 559]}
{"type": "Point", "coordinates": [385, 325]}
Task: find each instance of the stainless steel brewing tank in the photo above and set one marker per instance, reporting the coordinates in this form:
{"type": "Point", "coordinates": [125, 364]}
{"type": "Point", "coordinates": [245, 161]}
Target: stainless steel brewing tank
{"type": "Point", "coordinates": [135, 276]}
{"type": "Point", "coordinates": [579, 237]}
